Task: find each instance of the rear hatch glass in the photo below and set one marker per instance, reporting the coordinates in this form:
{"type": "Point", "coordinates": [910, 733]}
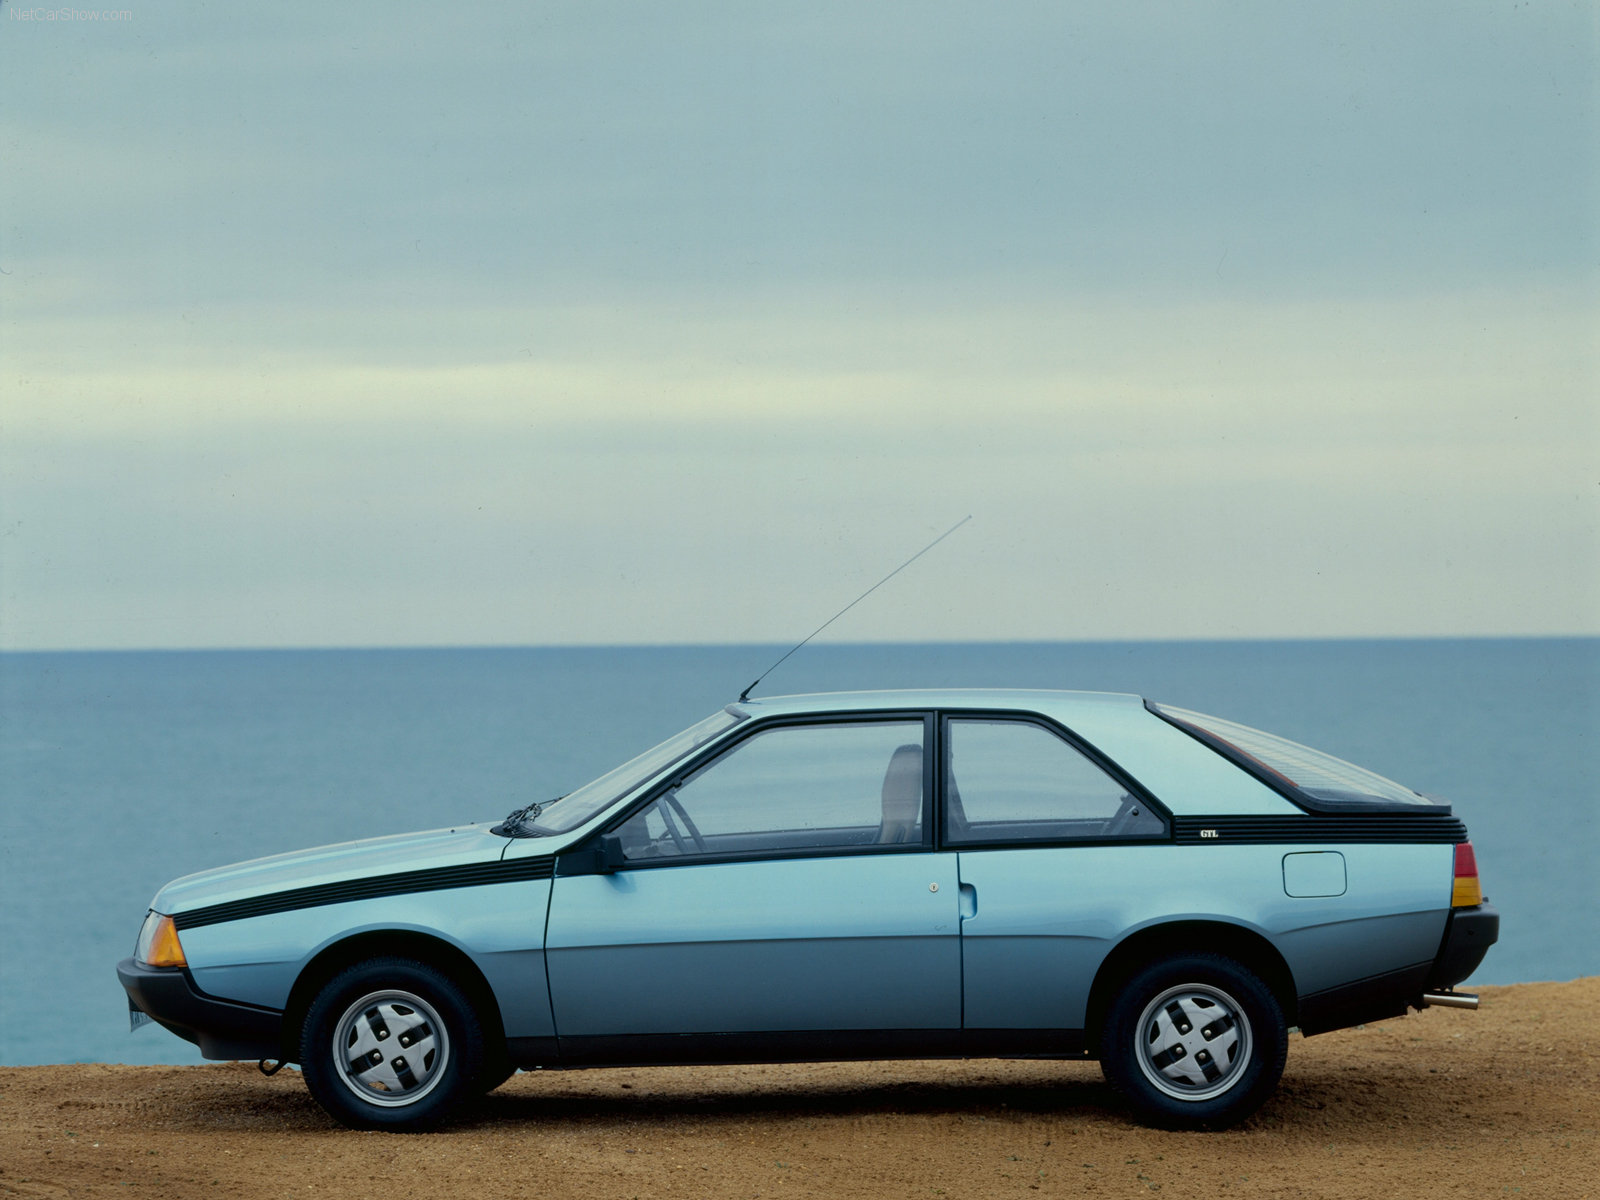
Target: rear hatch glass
{"type": "Point", "coordinates": [1309, 776]}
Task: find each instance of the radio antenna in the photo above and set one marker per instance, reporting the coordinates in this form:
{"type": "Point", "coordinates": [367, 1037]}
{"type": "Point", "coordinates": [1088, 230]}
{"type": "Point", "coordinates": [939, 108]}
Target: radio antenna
{"type": "Point", "coordinates": [745, 695]}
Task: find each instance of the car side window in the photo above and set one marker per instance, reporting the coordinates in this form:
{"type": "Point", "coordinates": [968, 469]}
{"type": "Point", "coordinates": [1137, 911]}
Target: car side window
{"type": "Point", "coordinates": [845, 785]}
{"type": "Point", "coordinates": [1015, 781]}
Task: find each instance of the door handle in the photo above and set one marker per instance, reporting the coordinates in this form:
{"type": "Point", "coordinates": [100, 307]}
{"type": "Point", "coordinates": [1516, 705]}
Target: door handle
{"type": "Point", "coordinates": [969, 901]}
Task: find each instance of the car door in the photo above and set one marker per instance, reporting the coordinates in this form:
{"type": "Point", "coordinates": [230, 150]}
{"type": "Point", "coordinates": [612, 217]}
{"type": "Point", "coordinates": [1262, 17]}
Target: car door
{"type": "Point", "coordinates": [782, 894]}
{"type": "Point", "coordinates": [1054, 849]}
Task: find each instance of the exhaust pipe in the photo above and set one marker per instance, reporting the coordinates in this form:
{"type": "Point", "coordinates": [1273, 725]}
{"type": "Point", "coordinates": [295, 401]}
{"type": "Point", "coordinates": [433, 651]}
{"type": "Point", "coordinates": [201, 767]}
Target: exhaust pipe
{"type": "Point", "coordinates": [1448, 1000]}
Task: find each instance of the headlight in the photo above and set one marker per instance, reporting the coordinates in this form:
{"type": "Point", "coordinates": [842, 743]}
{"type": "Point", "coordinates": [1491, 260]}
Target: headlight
{"type": "Point", "coordinates": [158, 944]}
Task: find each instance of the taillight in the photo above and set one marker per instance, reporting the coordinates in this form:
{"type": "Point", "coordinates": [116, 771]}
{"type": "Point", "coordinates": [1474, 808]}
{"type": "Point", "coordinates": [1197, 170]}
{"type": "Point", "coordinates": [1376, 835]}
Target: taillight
{"type": "Point", "coordinates": [1466, 893]}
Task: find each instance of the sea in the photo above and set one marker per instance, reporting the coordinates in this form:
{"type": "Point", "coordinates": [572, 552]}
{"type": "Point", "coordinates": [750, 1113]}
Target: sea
{"type": "Point", "coordinates": [122, 770]}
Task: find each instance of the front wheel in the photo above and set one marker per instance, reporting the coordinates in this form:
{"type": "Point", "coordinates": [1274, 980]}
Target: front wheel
{"type": "Point", "coordinates": [391, 1043]}
{"type": "Point", "coordinates": [1196, 1042]}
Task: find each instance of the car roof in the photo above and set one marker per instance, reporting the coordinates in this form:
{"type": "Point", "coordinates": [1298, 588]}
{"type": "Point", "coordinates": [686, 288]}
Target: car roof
{"type": "Point", "coordinates": [999, 699]}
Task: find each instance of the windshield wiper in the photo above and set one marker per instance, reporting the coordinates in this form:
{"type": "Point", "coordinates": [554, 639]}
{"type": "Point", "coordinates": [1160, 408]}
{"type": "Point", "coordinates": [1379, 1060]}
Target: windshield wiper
{"type": "Point", "coordinates": [519, 822]}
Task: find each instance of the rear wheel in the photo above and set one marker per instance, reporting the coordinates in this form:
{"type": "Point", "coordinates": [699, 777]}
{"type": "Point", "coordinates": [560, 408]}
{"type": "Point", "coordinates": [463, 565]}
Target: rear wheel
{"type": "Point", "coordinates": [1196, 1042]}
{"type": "Point", "coordinates": [391, 1043]}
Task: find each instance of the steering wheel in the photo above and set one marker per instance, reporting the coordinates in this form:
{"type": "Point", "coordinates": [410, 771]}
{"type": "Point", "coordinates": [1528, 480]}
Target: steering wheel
{"type": "Point", "coordinates": [671, 801]}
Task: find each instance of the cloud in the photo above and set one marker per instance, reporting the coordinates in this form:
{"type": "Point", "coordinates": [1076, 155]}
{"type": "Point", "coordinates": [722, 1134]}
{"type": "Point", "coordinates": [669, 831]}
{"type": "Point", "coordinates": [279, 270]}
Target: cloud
{"type": "Point", "coordinates": [642, 322]}
{"type": "Point", "coordinates": [1267, 470]}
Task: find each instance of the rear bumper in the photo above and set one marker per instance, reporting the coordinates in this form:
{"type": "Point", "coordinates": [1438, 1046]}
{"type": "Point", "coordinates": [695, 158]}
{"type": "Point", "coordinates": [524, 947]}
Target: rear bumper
{"type": "Point", "coordinates": [221, 1028]}
{"type": "Point", "coordinates": [1468, 934]}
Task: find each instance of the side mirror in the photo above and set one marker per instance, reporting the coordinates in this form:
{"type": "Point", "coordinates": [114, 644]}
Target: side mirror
{"type": "Point", "coordinates": [608, 856]}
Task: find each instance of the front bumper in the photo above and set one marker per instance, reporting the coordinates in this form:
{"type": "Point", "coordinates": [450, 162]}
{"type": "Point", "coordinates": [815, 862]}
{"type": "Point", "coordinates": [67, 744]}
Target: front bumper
{"type": "Point", "coordinates": [221, 1028]}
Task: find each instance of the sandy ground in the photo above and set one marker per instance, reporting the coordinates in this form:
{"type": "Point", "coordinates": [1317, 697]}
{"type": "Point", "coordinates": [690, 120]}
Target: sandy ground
{"type": "Point", "coordinates": [1501, 1102]}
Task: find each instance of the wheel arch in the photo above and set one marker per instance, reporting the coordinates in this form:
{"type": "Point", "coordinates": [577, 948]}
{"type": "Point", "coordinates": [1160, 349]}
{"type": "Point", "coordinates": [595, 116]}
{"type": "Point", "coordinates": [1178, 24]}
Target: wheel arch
{"type": "Point", "coordinates": [402, 943]}
{"type": "Point", "coordinates": [1250, 948]}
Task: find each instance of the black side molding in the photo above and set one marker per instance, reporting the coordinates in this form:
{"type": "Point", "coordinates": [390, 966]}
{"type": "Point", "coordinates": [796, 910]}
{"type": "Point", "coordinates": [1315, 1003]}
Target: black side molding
{"type": "Point", "coordinates": [1320, 828]}
{"type": "Point", "coordinates": [819, 1045]}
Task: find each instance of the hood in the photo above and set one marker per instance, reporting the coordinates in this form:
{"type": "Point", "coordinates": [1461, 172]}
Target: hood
{"type": "Point", "coordinates": [463, 844]}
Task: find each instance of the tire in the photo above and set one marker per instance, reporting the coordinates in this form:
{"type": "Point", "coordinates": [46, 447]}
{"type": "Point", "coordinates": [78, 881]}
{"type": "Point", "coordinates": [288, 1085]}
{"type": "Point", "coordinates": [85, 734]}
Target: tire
{"type": "Point", "coordinates": [494, 1072]}
{"type": "Point", "coordinates": [1196, 1042]}
{"type": "Point", "coordinates": [391, 1043]}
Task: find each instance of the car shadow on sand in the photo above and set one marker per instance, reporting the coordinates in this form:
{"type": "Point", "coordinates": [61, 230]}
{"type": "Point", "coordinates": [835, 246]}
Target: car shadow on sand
{"type": "Point", "coordinates": [587, 1101]}
{"type": "Point", "coordinates": [785, 1100]}
{"type": "Point", "coordinates": [579, 1100]}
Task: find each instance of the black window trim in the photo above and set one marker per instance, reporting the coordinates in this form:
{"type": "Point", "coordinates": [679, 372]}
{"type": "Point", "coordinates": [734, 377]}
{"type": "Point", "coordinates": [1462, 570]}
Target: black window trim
{"type": "Point", "coordinates": [737, 735]}
{"type": "Point", "coordinates": [1081, 745]}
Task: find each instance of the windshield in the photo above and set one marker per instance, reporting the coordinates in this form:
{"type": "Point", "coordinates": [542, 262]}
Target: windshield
{"type": "Point", "coordinates": [1318, 775]}
{"type": "Point", "coordinates": [577, 807]}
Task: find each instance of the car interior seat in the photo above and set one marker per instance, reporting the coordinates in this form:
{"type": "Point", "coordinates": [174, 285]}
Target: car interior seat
{"type": "Point", "coordinates": [902, 797]}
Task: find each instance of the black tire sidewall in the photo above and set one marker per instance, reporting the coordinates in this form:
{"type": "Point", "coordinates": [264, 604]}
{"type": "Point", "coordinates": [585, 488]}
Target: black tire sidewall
{"type": "Point", "coordinates": [1268, 1033]}
{"type": "Point", "coordinates": [463, 1030]}
{"type": "Point", "coordinates": [494, 1072]}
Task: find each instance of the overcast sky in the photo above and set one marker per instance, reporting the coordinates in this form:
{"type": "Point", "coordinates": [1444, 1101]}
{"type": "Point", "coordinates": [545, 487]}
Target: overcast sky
{"type": "Point", "coordinates": [371, 324]}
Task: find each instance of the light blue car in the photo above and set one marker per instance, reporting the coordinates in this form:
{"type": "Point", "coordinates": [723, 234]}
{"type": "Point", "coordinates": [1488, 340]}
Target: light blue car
{"type": "Point", "coordinates": [863, 875]}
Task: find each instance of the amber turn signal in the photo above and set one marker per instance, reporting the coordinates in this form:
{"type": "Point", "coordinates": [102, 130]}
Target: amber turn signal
{"type": "Point", "coordinates": [164, 949]}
